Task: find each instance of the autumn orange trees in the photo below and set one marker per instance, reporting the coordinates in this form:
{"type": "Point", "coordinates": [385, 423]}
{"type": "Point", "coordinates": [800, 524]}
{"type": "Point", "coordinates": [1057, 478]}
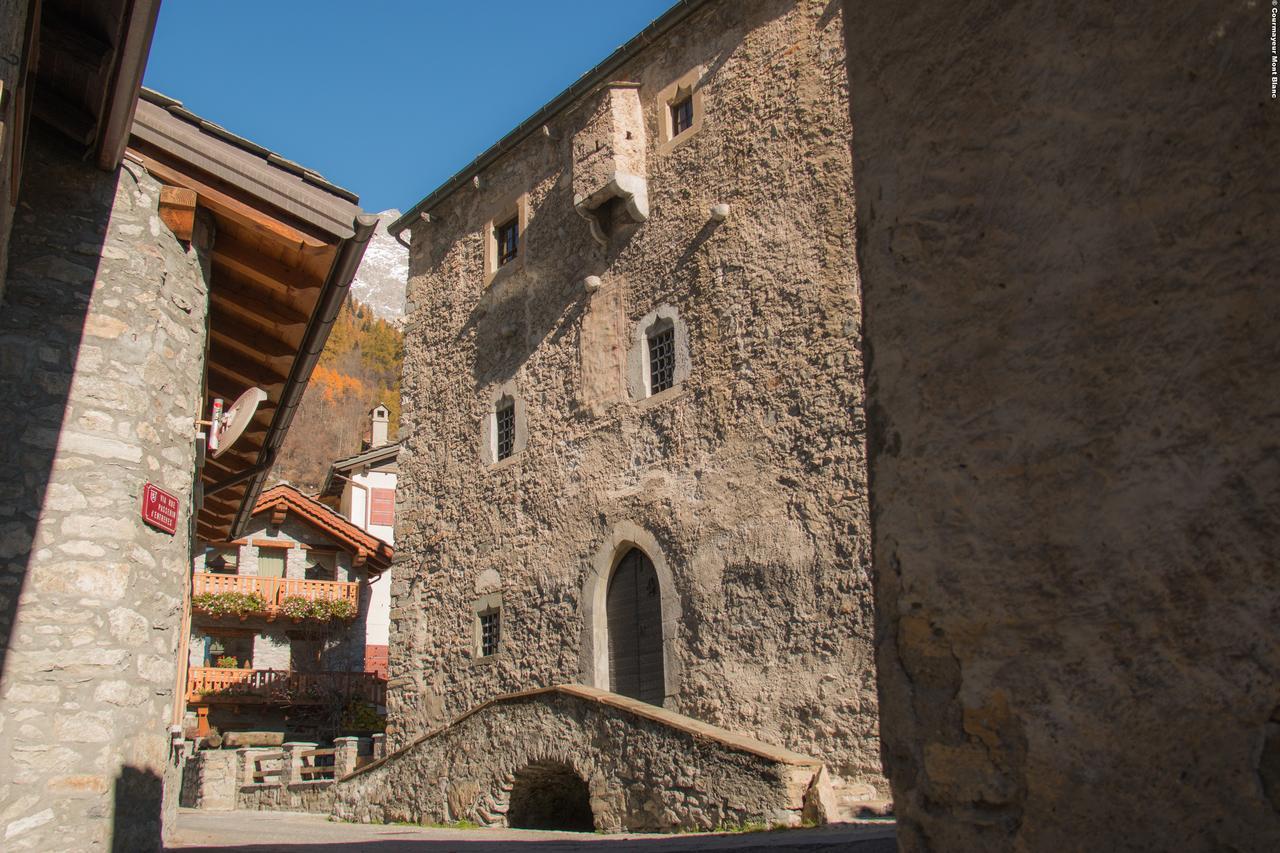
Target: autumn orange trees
{"type": "Point", "coordinates": [359, 368]}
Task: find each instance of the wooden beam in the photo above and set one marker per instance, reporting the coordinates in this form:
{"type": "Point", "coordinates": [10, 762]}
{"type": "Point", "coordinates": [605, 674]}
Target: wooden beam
{"type": "Point", "coordinates": [234, 209]}
{"type": "Point", "coordinates": [62, 38]}
{"type": "Point", "coordinates": [178, 211]}
{"type": "Point", "coordinates": [229, 330]}
{"type": "Point", "coordinates": [247, 370]}
{"type": "Point", "coordinates": [64, 115]}
{"type": "Point", "coordinates": [237, 298]}
{"type": "Point", "coordinates": [263, 270]}
{"type": "Point", "coordinates": [221, 507]}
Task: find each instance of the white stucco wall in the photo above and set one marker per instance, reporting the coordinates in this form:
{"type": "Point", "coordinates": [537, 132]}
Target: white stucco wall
{"type": "Point", "coordinates": [355, 507]}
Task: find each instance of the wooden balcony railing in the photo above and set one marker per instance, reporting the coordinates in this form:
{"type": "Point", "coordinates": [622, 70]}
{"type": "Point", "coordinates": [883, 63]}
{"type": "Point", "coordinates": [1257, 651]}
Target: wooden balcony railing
{"type": "Point", "coordinates": [209, 684]}
{"type": "Point", "coordinates": [275, 590]}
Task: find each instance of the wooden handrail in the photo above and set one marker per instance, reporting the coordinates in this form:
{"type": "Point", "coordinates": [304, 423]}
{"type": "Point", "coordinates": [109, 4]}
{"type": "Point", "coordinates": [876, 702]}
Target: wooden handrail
{"type": "Point", "coordinates": [211, 683]}
{"type": "Point", "coordinates": [275, 590]}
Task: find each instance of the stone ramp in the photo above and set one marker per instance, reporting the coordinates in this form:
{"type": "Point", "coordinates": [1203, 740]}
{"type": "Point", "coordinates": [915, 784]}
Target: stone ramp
{"type": "Point", "coordinates": [577, 757]}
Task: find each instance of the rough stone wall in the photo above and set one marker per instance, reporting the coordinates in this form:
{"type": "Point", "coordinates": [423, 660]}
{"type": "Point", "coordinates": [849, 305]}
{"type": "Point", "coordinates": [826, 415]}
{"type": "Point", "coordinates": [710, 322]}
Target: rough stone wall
{"type": "Point", "coordinates": [747, 480]}
{"type": "Point", "coordinates": [642, 774]}
{"type": "Point", "coordinates": [102, 311]}
{"type": "Point", "coordinates": [299, 797]}
{"type": "Point", "coordinates": [211, 780]}
{"type": "Point", "coordinates": [1068, 266]}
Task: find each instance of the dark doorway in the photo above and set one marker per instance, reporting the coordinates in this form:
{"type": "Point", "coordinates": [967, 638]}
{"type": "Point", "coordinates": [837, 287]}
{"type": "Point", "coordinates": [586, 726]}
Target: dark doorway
{"type": "Point", "coordinates": [550, 795]}
{"type": "Point", "coordinates": [634, 606]}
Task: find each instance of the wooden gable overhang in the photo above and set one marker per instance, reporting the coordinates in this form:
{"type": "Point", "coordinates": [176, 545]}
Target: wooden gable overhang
{"type": "Point", "coordinates": [283, 245]}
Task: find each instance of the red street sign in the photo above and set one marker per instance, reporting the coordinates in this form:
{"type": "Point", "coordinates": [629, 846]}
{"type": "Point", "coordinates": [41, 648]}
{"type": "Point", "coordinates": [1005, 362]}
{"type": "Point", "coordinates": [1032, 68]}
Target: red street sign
{"type": "Point", "coordinates": [159, 508]}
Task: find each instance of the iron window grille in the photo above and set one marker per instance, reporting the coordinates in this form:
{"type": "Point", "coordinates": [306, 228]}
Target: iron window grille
{"type": "Point", "coordinates": [506, 427]}
{"type": "Point", "coordinates": [508, 237]}
{"type": "Point", "coordinates": [662, 359]}
{"type": "Point", "coordinates": [681, 115]}
{"type": "Point", "coordinates": [490, 632]}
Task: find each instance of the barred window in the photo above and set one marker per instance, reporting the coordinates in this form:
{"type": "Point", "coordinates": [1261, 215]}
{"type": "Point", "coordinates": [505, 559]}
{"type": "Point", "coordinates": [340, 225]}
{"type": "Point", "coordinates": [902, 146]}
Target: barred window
{"type": "Point", "coordinates": [490, 632]}
{"type": "Point", "coordinates": [508, 236]}
{"type": "Point", "coordinates": [505, 428]}
{"type": "Point", "coordinates": [662, 358]}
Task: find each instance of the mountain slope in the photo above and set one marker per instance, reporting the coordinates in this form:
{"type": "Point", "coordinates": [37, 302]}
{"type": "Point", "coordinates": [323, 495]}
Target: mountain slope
{"type": "Point", "coordinates": [379, 283]}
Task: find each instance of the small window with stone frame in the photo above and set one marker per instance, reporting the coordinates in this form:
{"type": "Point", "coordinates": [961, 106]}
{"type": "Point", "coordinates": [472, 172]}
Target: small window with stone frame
{"type": "Point", "coordinates": [507, 235]}
{"type": "Point", "coordinates": [490, 632]}
{"type": "Point", "coordinates": [662, 357]}
{"type": "Point", "coordinates": [504, 432]}
{"type": "Point", "coordinates": [681, 115]}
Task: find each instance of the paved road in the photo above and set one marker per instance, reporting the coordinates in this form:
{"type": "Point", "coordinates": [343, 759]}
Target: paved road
{"type": "Point", "coordinates": [287, 832]}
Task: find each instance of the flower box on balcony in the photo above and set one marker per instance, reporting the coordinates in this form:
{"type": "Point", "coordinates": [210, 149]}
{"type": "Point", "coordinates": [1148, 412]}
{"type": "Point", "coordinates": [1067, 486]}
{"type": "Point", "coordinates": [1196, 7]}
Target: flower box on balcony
{"type": "Point", "coordinates": [298, 607]}
{"type": "Point", "coordinates": [241, 604]}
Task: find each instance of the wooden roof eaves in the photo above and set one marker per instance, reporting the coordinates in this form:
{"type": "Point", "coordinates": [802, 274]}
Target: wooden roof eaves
{"type": "Point", "coordinates": [266, 178]}
{"type": "Point", "coordinates": [334, 293]}
{"type": "Point", "coordinates": [126, 81]}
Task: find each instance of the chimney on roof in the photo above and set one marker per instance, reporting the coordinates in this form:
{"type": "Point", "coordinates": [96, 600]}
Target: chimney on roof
{"type": "Point", "coordinates": [378, 426]}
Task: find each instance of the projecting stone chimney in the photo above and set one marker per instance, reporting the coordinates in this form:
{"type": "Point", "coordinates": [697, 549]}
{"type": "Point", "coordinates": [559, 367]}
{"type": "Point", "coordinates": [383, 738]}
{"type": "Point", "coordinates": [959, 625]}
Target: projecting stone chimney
{"type": "Point", "coordinates": [378, 426]}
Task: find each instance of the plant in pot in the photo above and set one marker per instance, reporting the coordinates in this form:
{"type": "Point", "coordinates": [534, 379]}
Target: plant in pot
{"type": "Point", "coordinates": [227, 662]}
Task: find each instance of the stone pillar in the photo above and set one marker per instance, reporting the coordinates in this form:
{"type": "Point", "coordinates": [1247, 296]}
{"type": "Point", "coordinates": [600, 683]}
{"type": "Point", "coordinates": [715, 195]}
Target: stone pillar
{"type": "Point", "coordinates": [295, 563]}
{"type": "Point", "coordinates": [346, 749]}
{"type": "Point", "coordinates": [293, 761]}
{"type": "Point", "coordinates": [217, 779]}
{"type": "Point", "coordinates": [379, 746]}
{"type": "Point", "coordinates": [244, 765]}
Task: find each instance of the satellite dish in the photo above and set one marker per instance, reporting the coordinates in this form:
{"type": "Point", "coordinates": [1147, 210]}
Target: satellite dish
{"type": "Point", "coordinates": [228, 426]}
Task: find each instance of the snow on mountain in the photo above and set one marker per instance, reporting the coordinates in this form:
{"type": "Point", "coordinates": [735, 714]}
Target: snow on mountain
{"type": "Point", "coordinates": [380, 281]}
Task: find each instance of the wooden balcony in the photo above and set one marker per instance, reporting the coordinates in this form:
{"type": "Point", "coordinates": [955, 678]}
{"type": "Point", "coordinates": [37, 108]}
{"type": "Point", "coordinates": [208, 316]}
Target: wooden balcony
{"type": "Point", "coordinates": [209, 685]}
{"type": "Point", "coordinates": [275, 590]}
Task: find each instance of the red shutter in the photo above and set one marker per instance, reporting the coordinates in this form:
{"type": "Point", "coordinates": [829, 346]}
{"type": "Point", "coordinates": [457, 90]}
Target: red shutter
{"type": "Point", "coordinates": [383, 509]}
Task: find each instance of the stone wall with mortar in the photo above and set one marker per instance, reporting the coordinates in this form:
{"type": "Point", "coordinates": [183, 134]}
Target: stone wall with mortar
{"type": "Point", "coordinates": [102, 312]}
{"type": "Point", "coordinates": [1068, 266]}
{"type": "Point", "coordinates": [746, 481]}
{"type": "Point", "coordinates": [644, 768]}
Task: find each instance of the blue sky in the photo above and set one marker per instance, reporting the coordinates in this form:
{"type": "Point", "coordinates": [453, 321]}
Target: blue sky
{"type": "Point", "coordinates": [387, 98]}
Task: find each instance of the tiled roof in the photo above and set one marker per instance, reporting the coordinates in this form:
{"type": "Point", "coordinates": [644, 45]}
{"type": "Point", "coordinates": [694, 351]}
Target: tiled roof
{"type": "Point", "coordinates": [333, 524]}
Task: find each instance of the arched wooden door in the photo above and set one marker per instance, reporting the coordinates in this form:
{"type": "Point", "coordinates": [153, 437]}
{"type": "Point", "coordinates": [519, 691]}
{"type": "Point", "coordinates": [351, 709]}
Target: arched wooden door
{"type": "Point", "coordinates": [634, 605]}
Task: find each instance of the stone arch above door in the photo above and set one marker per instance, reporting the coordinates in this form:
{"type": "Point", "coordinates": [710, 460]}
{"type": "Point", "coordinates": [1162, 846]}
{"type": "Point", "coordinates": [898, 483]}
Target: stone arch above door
{"type": "Point", "coordinates": [594, 658]}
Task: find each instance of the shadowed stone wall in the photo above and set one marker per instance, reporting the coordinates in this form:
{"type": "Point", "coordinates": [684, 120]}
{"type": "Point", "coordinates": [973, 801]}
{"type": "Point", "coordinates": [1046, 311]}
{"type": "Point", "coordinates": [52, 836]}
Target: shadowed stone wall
{"type": "Point", "coordinates": [101, 316]}
{"type": "Point", "coordinates": [744, 484]}
{"type": "Point", "coordinates": [1066, 241]}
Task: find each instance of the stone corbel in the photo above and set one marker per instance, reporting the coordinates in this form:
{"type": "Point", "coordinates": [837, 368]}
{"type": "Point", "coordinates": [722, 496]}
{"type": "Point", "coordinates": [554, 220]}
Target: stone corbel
{"type": "Point", "coordinates": [633, 190]}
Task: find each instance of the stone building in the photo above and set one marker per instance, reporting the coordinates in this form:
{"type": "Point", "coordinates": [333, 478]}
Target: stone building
{"type": "Point", "coordinates": [1066, 236]}
{"type": "Point", "coordinates": [292, 659]}
{"type": "Point", "coordinates": [633, 412]}
{"type": "Point", "coordinates": [139, 284]}
{"type": "Point", "coordinates": [363, 488]}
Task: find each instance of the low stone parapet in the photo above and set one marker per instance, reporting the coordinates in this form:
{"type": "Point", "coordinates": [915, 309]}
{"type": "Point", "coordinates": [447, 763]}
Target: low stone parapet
{"type": "Point", "coordinates": [583, 758]}
{"type": "Point", "coordinates": [297, 776]}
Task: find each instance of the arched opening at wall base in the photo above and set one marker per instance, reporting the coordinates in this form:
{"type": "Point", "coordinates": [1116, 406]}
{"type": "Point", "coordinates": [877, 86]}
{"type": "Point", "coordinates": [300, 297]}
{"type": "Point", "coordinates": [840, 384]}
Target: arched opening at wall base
{"type": "Point", "coordinates": [550, 795]}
